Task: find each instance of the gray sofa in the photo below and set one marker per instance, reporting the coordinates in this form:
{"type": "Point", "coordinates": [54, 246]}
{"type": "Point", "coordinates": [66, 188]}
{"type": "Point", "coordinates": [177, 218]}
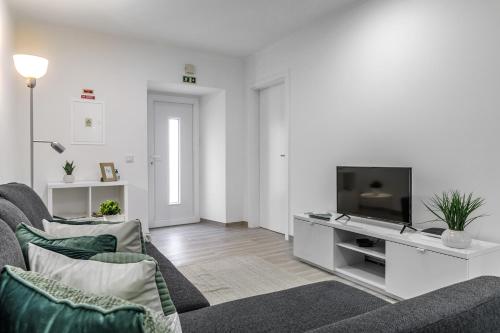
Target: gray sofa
{"type": "Point", "coordinates": [472, 306]}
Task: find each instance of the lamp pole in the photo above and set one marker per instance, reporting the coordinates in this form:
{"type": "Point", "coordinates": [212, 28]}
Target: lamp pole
{"type": "Point", "coordinates": [32, 68]}
{"type": "Point", "coordinates": [31, 84]}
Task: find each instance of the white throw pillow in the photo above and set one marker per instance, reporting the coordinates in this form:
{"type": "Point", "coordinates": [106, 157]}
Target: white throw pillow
{"type": "Point", "coordinates": [128, 234]}
{"type": "Point", "coordinates": [134, 282]}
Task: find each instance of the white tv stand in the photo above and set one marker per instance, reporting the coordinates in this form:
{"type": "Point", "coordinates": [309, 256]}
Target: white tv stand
{"type": "Point", "coordinates": [401, 266]}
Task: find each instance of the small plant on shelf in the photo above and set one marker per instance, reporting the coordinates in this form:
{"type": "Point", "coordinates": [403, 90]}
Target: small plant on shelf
{"type": "Point", "coordinates": [68, 170]}
{"type": "Point", "coordinates": [110, 207]}
{"type": "Point", "coordinates": [69, 167]}
{"type": "Point", "coordinates": [455, 209]}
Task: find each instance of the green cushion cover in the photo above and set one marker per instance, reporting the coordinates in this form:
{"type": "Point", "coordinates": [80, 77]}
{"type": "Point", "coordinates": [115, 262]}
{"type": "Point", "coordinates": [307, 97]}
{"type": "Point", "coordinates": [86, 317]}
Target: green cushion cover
{"type": "Point", "coordinates": [31, 303]}
{"type": "Point", "coordinates": [94, 222]}
{"type": "Point", "coordinates": [26, 234]}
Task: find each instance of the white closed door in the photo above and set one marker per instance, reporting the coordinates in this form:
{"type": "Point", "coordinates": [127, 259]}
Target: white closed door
{"type": "Point", "coordinates": [172, 164]}
{"type": "Point", "coordinates": [273, 159]}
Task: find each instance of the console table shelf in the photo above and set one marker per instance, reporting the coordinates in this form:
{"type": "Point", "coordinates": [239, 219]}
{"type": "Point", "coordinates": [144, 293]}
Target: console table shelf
{"type": "Point", "coordinates": [80, 199]}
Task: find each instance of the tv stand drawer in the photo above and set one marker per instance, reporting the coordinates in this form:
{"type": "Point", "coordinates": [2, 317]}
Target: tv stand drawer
{"type": "Point", "coordinates": [313, 243]}
{"type": "Point", "coordinates": [413, 271]}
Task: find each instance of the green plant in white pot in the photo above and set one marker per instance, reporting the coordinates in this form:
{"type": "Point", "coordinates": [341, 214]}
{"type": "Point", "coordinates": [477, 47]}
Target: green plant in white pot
{"type": "Point", "coordinates": [455, 209]}
{"type": "Point", "coordinates": [110, 210]}
{"type": "Point", "coordinates": [68, 172]}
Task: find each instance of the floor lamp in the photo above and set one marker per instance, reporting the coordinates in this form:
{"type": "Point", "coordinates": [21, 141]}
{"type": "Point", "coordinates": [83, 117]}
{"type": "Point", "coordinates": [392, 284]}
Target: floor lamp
{"type": "Point", "coordinates": [32, 68]}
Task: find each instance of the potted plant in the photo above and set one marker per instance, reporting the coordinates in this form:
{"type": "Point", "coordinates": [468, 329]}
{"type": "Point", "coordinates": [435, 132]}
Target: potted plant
{"type": "Point", "coordinates": [68, 169]}
{"type": "Point", "coordinates": [110, 210]}
{"type": "Point", "coordinates": [455, 209]}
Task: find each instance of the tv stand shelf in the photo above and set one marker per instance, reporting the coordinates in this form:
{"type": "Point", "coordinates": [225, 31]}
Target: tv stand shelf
{"type": "Point", "coordinates": [366, 272]}
{"type": "Point", "coordinates": [376, 251]}
{"type": "Point", "coordinates": [399, 265]}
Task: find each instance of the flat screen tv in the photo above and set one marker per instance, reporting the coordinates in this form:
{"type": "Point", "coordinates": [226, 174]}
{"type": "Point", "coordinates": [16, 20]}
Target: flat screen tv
{"type": "Point", "coordinates": [380, 193]}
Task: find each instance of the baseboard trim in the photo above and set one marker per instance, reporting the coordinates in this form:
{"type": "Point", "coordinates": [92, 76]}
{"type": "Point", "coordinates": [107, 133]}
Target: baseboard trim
{"type": "Point", "coordinates": [229, 224]}
{"type": "Point", "coordinates": [237, 224]}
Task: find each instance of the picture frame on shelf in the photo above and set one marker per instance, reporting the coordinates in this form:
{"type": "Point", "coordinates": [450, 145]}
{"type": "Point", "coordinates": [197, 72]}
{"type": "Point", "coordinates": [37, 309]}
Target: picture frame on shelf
{"type": "Point", "coordinates": [108, 173]}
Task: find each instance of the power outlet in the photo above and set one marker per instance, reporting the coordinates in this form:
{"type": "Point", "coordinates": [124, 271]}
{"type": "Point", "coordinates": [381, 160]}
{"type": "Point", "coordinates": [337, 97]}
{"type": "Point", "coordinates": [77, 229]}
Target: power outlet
{"type": "Point", "coordinates": [129, 159]}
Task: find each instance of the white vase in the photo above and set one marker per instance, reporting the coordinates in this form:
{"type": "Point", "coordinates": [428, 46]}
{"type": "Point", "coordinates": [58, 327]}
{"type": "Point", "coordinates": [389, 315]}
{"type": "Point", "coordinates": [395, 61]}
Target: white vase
{"type": "Point", "coordinates": [114, 218]}
{"type": "Point", "coordinates": [69, 178]}
{"type": "Point", "coordinates": [456, 239]}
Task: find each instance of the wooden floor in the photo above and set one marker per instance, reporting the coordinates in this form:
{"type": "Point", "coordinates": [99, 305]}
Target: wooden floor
{"type": "Point", "coordinates": [209, 241]}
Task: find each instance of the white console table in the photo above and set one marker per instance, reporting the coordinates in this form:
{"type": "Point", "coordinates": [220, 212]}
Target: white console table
{"type": "Point", "coordinates": [402, 266]}
{"type": "Point", "coordinates": [80, 199]}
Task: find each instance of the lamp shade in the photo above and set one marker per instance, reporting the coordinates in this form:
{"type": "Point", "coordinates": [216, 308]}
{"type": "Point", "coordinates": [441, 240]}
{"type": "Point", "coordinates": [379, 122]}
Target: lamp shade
{"type": "Point", "coordinates": [30, 66]}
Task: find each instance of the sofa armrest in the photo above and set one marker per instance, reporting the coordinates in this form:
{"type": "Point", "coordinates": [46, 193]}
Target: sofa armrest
{"type": "Point", "coordinates": [470, 306]}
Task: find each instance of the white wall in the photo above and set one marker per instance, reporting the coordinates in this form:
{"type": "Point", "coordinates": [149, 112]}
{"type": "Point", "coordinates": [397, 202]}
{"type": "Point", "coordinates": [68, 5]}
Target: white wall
{"type": "Point", "coordinates": [388, 82]}
{"type": "Point", "coordinates": [118, 69]}
{"type": "Point", "coordinates": [213, 157]}
{"type": "Point", "coordinates": [9, 120]}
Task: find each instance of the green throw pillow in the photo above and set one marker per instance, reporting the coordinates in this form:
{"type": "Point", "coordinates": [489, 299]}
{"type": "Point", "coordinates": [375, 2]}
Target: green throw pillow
{"type": "Point", "coordinates": [26, 234]}
{"type": "Point", "coordinates": [31, 303]}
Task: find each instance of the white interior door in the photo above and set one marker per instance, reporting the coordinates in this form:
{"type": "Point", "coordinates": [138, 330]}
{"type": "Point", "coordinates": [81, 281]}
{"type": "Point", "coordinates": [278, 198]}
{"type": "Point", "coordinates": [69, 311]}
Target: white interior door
{"type": "Point", "coordinates": [172, 176]}
{"type": "Point", "coordinates": [273, 159]}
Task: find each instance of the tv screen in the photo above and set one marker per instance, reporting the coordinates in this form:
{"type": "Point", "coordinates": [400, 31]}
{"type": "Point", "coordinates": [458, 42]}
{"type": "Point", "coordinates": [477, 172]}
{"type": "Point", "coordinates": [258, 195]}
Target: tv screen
{"type": "Point", "coordinates": [375, 192]}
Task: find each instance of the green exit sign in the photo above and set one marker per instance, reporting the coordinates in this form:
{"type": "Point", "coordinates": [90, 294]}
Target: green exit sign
{"type": "Point", "coordinates": [189, 79]}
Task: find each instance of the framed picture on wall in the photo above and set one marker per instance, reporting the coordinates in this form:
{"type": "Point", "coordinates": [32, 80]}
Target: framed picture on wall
{"type": "Point", "coordinates": [87, 122]}
{"type": "Point", "coordinates": [108, 172]}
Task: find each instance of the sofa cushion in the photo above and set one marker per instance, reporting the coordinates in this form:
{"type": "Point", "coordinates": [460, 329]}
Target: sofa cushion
{"type": "Point", "coordinates": [472, 306]}
{"type": "Point", "coordinates": [128, 234]}
{"type": "Point", "coordinates": [12, 215]}
{"type": "Point", "coordinates": [183, 293]}
{"type": "Point", "coordinates": [31, 303]}
{"type": "Point", "coordinates": [26, 234]}
{"type": "Point", "coordinates": [10, 251]}
{"type": "Point", "coordinates": [293, 310]}
{"type": "Point", "coordinates": [129, 276]}
{"type": "Point", "coordinates": [27, 201]}
{"type": "Point", "coordinates": [167, 304]}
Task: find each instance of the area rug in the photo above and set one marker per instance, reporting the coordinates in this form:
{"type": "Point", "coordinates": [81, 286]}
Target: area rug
{"type": "Point", "coordinates": [238, 277]}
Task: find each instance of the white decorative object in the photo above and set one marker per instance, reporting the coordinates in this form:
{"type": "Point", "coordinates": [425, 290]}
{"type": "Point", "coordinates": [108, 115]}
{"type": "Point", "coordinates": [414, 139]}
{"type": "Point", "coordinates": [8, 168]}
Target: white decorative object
{"type": "Point", "coordinates": [87, 122]}
{"type": "Point", "coordinates": [456, 239]}
{"type": "Point", "coordinates": [81, 198]}
{"type": "Point", "coordinates": [114, 218]}
{"type": "Point", "coordinates": [69, 179]}
{"type": "Point", "coordinates": [415, 264]}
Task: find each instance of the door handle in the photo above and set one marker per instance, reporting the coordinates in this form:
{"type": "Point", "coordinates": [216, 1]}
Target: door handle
{"type": "Point", "coordinates": [421, 250]}
{"type": "Point", "coordinates": [282, 155]}
{"type": "Point", "coordinates": [154, 158]}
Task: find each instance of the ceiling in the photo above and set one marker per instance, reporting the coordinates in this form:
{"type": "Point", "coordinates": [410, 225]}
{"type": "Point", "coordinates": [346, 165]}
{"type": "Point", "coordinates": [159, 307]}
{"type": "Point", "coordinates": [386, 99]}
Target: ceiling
{"type": "Point", "coordinates": [233, 27]}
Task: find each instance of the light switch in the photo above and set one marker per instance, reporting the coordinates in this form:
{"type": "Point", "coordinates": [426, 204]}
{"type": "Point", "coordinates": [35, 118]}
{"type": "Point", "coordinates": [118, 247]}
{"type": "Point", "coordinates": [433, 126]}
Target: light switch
{"type": "Point", "coordinates": [129, 159]}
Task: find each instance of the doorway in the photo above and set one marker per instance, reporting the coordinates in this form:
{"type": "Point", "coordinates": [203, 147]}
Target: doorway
{"type": "Point", "coordinates": [173, 160]}
{"type": "Point", "coordinates": [274, 173]}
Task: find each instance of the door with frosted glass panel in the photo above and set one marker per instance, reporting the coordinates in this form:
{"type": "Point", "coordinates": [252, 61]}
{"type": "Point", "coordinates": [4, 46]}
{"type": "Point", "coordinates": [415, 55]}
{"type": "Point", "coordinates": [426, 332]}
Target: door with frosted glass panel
{"type": "Point", "coordinates": [173, 164]}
